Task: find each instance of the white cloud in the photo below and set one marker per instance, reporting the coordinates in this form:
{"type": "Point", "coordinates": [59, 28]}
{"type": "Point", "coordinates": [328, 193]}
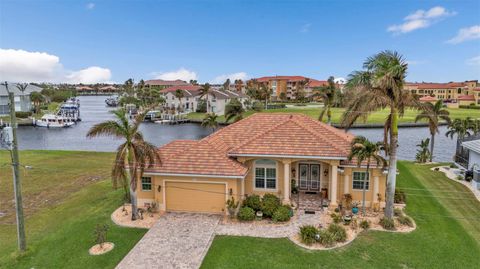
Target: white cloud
{"type": "Point", "coordinates": [90, 75]}
{"type": "Point", "coordinates": [26, 66]}
{"type": "Point", "coordinates": [340, 80]}
{"type": "Point", "coordinates": [473, 61]}
{"type": "Point", "coordinates": [305, 28]}
{"type": "Point", "coordinates": [222, 78]}
{"type": "Point", "coordinates": [465, 34]}
{"type": "Point", "coordinates": [90, 6]}
{"type": "Point", "coordinates": [182, 74]}
{"type": "Point", "coordinates": [420, 19]}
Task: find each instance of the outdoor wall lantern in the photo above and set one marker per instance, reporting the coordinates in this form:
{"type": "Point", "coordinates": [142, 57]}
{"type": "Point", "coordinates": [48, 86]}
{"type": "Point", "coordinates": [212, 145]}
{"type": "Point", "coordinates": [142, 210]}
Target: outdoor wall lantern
{"type": "Point", "coordinates": [341, 170]}
{"type": "Point", "coordinates": [325, 172]}
{"type": "Point", "coordinates": [293, 172]}
{"type": "Point", "coordinates": [159, 189]}
{"type": "Point", "coordinates": [230, 191]}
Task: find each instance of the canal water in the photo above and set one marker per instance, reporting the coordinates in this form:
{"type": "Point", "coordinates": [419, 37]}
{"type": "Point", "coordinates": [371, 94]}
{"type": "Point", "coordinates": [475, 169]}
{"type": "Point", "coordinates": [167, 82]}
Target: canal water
{"type": "Point", "coordinates": [93, 111]}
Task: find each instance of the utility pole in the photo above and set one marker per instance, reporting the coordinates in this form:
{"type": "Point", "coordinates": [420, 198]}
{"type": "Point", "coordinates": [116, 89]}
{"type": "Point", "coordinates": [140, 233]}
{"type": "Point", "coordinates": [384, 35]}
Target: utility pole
{"type": "Point", "coordinates": [22, 243]}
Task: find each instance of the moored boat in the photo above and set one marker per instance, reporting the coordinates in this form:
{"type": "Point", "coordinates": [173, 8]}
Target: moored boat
{"type": "Point", "coordinates": [54, 121]}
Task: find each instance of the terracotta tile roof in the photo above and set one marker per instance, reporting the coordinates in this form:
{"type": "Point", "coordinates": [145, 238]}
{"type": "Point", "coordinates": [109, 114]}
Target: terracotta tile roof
{"type": "Point", "coordinates": [428, 98]}
{"type": "Point", "coordinates": [282, 134]}
{"type": "Point", "coordinates": [317, 83]}
{"type": "Point", "coordinates": [289, 78]}
{"type": "Point", "coordinates": [181, 87]}
{"type": "Point", "coordinates": [428, 85]}
{"type": "Point", "coordinates": [466, 98]}
{"type": "Point", "coordinates": [161, 82]}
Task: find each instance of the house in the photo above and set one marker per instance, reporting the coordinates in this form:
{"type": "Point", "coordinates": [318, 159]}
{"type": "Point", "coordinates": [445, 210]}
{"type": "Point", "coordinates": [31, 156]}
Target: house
{"type": "Point", "coordinates": [289, 85]}
{"type": "Point", "coordinates": [217, 99]}
{"type": "Point", "coordinates": [264, 153]}
{"type": "Point", "coordinates": [473, 163]}
{"type": "Point", "coordinates": [22, 99]}
{"type": "Point", "coordinates": [163, 84]}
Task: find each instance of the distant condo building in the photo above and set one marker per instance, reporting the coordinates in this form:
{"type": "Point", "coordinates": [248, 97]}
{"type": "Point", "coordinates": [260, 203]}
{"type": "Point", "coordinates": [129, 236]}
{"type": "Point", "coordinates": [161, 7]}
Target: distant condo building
{"type": "Point", "coordinates": [289, 85]}
{"type": "Point", "coordinates": [452, 93]}
{"type": "Point", "coordinates": [163, 84]}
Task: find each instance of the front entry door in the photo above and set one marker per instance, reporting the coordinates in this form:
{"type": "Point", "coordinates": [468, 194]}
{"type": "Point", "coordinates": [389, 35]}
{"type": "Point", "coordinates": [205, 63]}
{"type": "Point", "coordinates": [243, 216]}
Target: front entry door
{"type": "Point", "coordinates": [309, 177]}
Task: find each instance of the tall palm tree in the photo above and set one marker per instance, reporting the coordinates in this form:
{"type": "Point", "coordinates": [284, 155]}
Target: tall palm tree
{"type": "Point", "coordinates": [327, 93]}
{"type": "Point", "coordinates": [379, 86]}
{"type": "Point", "coordinates": [433, 113]}
{"type": "Point", "coordinates": [133, 155]}
{"type": "Point", "coordinates": [22, 87]}
{"type": "Point", "coordinates": [205, 91]}
{"type": "Point", "coordinates": [210, 121]}
{"type": "Point", "coordinates": [460, 127]}
{"type": "Point", "coordinates": [179, 94]}
{"type": "Point", "coordinates": [363, 150]}
{"type": "Point", "coordinates": [265, 93]}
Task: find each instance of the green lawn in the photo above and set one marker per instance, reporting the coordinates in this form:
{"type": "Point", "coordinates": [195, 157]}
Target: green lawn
{"type": "Point", "coordinates": [65, 195]}
{"type": "Point", "coordinates": [377, 117]}
{"type": "Point", "coordinates": [447, 236]}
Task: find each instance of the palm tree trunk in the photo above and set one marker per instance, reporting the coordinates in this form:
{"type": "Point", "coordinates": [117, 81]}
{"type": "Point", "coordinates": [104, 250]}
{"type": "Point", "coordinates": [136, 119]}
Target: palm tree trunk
{"type": "Point", "coordinates": [133, 178]}
{"type": "Point", "coordinates": [329, 116]}
{"type": "Point", "coordinates": [208, 105]}
{"type": "Point", "coordinates": [392, 165]}
{"type": "Point", "coordinates": [365, 186]}
{"type": "Point", "coordinates": [432, 142]}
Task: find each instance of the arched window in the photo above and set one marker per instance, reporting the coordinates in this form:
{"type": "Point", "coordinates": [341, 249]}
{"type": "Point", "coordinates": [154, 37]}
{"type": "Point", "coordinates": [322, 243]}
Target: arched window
{"type": "Point", "coordinates": [265, 174]}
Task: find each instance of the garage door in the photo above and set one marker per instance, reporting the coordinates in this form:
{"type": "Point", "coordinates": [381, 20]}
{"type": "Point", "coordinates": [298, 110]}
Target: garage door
{"type": "Point", "coordinates": [195, 197]}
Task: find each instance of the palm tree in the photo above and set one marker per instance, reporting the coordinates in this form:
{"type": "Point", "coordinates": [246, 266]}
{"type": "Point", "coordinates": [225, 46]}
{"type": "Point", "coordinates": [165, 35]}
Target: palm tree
{"type": "Point", "coordinates": [380, 86]}
{"type": "Point", "coordinates": [133, 155]}
{"type": "Point", "coordinates": [433, 113]}
{"type": "Point", "coordinates": [210, 121]}
{"type": "Point", "coordinates": [460, 127]}
{"type": "Point", "coordinates": [234, 110]}
{"type": "Point", "coordinates": [205, 91]}
{"type": "Point", "coordinates": [264, 93]}
{"type": "Point", "coordinates": [179, 94]}
{"type": "Point", "coordinates": [423, 154]}
{"type": "Point", "coordinates": [328, 95]}
{"type": "Point", "coordinates": [37, 99]}
{"type": "Point", "coordinates": [22, 87]}
{"type": "Point", "coordinates": [364, 150]}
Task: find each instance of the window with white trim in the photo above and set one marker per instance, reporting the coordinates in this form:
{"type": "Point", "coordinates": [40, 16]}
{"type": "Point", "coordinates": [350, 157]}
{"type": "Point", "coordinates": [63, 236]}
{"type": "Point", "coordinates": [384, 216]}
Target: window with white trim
{"type": "Point", "coordinates": [146, 183]}
{"type": "Point", "coordinates": [265, 174]}
{"type": "Point", "coordinates": [360, 178]}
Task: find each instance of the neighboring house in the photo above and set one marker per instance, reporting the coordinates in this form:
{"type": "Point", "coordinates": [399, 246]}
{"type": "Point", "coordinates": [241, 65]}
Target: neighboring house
{"type": "Point", "coordinates": [163, 84]}
{"type": "Point", "coordinates": [218, 99]}
{"type": "Point", "coordinates": [473, 163]}
{"type": "Point", "coordinates": [260, 154]}
{"type": "Point", "coordinates": [22, 99]}
{"type": "Point", "coordinates": [464, 93]}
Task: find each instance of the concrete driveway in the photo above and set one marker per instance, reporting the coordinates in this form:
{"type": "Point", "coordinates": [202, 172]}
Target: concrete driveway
{"type": "Point", "coordinates": [177, 240]}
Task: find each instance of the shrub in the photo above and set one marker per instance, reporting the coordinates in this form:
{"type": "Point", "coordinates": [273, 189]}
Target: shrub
{"type": "Point", "coordinates": [405, 220]}
{"type": "Point", "coordinates": [400, 197]}
{"type": "Point", "coordinates": [22, 115]}
{"type": "Point", "coordinates": [258, 106]}
{"type": "Point", "coordinates": [398, 212]}
{"type": "Point", "coordinates": [253, 201]}
{"type": "Point", "coordinates": [246, 213]}
{"type": "Point", "coordinates": [281, 214]}
{"type": "Point", "coordinates": [387, 224]}
{"type": "Point", "coordinates": [453, 166]}
{"type": "Point", "coordinates": [338, 232]}
{"type": "Point", "coordinates": [201, 106]}
{"type": "Point", "coordinates": [326, 238]}
{"type": "Point", "coordinates": [101, 234]}
{"type": "Point", "coordinates": [270, 203]}
{"type": "Point", "coordinates": [337, 218]}
{"type": "Point", "coordinates": [364, 224]}
{"type": "Point", "coordinates": [308, 234]}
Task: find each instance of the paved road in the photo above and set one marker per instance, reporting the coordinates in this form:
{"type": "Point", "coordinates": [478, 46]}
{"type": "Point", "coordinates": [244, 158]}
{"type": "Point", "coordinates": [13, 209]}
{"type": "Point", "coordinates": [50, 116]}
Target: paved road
{"type": "Point", "coordinates": [177, 240]}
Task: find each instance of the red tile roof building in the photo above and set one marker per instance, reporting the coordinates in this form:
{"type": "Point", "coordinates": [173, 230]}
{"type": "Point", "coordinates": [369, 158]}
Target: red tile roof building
{"type": "Point", "coordinates": [451, 92]}
{"type": "Point", "coordinates": [289, 85]}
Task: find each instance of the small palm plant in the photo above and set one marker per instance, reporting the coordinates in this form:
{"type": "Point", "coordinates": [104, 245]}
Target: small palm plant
{"type": "Point", "coordinates": [210, 121]}
{"type": "Point", "coordinates": [433, 113]}
{"type": "Point", "coordinates": [460, 127]}
{"type": "Point", "coordinates": [327, 93]}
{"type": "Point", "coordinates": [363, 150]}
{"type": "Point", "coordinates": [423, 154]}
{"type": "Point", "coordinates": [133, 155]}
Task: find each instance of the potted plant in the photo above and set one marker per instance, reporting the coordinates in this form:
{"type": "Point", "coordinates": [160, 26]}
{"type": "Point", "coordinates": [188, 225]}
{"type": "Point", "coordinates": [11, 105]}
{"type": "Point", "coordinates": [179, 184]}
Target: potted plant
{"type": "Point", "coordinates": [355, 207]}
{"type": "Point", "coordinates": [232, 206]}
{"type": "Point", "coordinates": [294, 187]}
{"type": "Point", "coordinates": [347, 219]}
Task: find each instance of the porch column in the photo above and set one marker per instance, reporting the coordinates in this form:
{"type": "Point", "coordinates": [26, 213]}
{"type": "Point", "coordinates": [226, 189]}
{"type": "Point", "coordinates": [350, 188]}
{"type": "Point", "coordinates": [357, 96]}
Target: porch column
{"type": "Point", "coordinates": [375, 189]}
{"type": "Point", "coordinates": [286, 181]}
{"type": "Point", "coordinates": [334, 185]}
{"type": "Point", "coordinates": [346, 184]}
{"type": "Point", "coordinates": [242, 189]}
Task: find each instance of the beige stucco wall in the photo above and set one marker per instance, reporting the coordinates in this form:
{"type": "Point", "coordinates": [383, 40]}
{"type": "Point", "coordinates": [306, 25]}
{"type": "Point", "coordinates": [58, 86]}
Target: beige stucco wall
{"type": "Point", "coordinates": [370, 195]}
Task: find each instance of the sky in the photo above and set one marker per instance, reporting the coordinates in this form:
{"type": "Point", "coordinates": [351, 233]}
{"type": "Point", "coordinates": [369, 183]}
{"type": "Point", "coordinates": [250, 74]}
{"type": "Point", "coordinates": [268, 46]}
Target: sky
{"type": "Point", "coordinates": [111, 41]}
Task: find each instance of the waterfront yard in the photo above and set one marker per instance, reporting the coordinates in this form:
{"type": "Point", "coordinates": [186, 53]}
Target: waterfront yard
{"type": "Point", "coordinates": [66, 194]}
{"type": "Point", "coordinates": [375, 118]}
{"type": "Point", "coordinates": [447, 236]}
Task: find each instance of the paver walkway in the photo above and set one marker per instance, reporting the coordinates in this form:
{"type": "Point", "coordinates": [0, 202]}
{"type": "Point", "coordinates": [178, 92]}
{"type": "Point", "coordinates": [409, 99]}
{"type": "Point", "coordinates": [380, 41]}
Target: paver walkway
{"type": "Point", "coordinates": [177, 240]}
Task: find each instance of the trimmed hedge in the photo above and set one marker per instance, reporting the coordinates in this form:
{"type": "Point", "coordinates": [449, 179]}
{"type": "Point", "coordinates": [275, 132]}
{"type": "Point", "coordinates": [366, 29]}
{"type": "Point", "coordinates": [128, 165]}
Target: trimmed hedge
{"type": "Point", "coordinates": [22, 115]}
{"type": "Point", "coordinates": [469, 107]}
{"type": "Point", "coordinates": [246, 213]}
{"type": "Point", "coordinates": [270, 203]}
